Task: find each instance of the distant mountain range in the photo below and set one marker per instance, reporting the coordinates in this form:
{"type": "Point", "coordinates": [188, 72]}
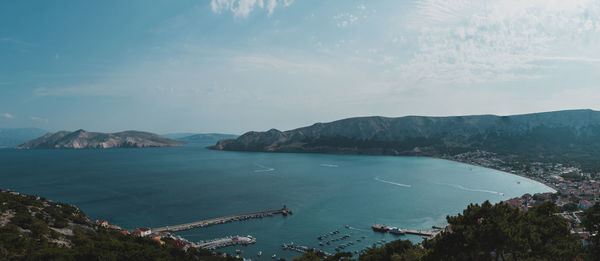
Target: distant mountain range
{"type": "Point", "coordinates": [566, 135]}
{"type": "Point", "coordinates": [82, 139]}
{"type": "Point", "coordinates": [205, 138]}
{"type": "Point", "coordinates": [10, 138]}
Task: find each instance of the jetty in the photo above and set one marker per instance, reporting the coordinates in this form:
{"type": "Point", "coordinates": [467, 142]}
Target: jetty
{"type": "Point", "coordinates": [303, 249]}
{"type": "Point", "coordinates": [220, 220]}
{"type": "Point", "coordinates": [226, 241]}
{"type": "Point", "coordinates": [384, 229]}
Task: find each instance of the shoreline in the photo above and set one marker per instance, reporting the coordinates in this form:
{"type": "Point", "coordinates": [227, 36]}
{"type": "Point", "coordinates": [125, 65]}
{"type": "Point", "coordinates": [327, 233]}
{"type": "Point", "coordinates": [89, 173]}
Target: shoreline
{"type": "Point", "coordinates": [503, 171]}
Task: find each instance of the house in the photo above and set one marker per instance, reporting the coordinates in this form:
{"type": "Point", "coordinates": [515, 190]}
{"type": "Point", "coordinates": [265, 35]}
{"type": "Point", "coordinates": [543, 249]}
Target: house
{"type": "Point", "coordinates": [142, 232]}
{"type": "Point", "coordinates": [584, 204]}
{"type": "Point", "coordinates": [102, 223]}
{"type": "Point", "coordinates": [157, 239]}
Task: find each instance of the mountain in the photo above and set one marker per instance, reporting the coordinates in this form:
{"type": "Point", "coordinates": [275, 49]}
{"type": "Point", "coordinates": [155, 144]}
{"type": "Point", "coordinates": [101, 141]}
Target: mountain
{"type": "Point", "coordinates": [82, 139]}
{"type": "Point", "coordinates": [13, 137]}
{"type": "Point", "coordinates": [566, 135]}
{"type": "Point", "coordinates": [207, 138]}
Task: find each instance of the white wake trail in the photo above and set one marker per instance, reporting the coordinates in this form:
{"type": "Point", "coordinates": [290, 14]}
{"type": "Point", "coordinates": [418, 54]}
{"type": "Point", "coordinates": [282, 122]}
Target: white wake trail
{"type": "Point", "coordinates": [263, 168]}
{"type": "Point", "coordinates": [470, 189]}
{"type": "Point", "coordinates": [393, 183]}
{"type": "Point", "coordinates": [329, 165]}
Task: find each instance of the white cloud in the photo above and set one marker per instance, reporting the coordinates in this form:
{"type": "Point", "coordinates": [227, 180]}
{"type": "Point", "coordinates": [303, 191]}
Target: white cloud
{"type": "Point", "coordinates": [79, 90]}
{"type": "Point", "coordinates": [7, 115]}
{"type": "Point", "coordinates": [34, 118]}
{"type": "Point", "coordinates": [344, 19]}
{"type": "Point", "coordinates": [243, 8]}
{"type": "Point", "coordinates": [283, 65]}
{"type": "Point", "coordinates": [463, 41]}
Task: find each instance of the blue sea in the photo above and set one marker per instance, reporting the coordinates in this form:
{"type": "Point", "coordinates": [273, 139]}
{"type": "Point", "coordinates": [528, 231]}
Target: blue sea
{"type": "Point", "coordinates": [155, 187]}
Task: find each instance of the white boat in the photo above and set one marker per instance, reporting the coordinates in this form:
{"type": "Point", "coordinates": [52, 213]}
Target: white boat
{"type": "Point", "coordinates": [259, 253]}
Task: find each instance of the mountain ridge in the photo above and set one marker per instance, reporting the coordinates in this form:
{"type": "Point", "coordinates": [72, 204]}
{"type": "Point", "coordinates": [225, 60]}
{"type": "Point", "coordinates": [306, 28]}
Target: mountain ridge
{"type": "Point", "coordinates": [569, 134]}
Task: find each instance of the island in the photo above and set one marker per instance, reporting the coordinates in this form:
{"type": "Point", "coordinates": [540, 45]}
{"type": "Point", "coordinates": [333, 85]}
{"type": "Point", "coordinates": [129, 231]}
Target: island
{"type": "Point", "coordinates": [82, 139]}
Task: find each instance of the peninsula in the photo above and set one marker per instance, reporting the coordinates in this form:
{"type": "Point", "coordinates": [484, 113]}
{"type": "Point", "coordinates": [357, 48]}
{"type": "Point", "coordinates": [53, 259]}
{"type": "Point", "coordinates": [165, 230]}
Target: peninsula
{"type": "Point", "coordinates": [82, 139]}
{"type": "Point", "coordinates": [558, 137]}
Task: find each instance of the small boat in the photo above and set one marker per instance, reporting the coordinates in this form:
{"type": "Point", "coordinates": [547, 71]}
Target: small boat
{"type": "Point", "coordinates": [259, 253]}
{"type": "Point", "coordinates": [274, 256]}
{"type": "Point", "coordinates": [238, 251]}
{"type": "Point", "coordinates": [347, 226]}
{"type": "Point", "coordinates": [397, 231]}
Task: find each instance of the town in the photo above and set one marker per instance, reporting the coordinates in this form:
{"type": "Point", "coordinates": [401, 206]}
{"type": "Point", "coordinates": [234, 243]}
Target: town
{"type": "Point", "coordinates": [576, 190]}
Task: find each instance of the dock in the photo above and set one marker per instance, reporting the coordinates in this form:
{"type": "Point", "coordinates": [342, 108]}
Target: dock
{"type": "Point", "coordinates": [303, 249]}
{"type": "Point", "coordinates": [215, 221]}
{"type": "Point", "coordinates": [226, 241]}
{"type": "Point", "coordinates": [421, 232]}
{"type": "Point", "coordinates": [384, 229]}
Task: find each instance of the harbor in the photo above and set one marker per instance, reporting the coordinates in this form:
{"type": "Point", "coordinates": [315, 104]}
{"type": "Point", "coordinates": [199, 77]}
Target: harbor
{"type": "Point", "coordinates": [215, 221]}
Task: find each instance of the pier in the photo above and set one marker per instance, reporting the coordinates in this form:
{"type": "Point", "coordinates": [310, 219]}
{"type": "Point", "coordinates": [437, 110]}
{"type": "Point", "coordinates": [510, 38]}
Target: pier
{"type": "Point", "coordinates": [303, 249]}
{"type": "Point", "coordinates": [421, 232]}
{"type": "Point", "coordinates": [400, 231]}
{"type": "Point", "coordinates": [226, 241]}
{"type": "Point", "coordinates": [215, 221]}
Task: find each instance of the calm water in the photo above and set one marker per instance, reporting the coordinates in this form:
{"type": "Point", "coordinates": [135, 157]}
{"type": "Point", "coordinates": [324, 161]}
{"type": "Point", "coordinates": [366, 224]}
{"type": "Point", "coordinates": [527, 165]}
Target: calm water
{"type": "Point", "coordinates": [166, 186]}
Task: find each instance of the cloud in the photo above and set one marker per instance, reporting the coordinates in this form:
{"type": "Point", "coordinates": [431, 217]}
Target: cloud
{"type": "Point", "coordinates": [462, 41]}
{"type": "Point", "coordinates": [15, 41]}
{"type": "Point", "coordinates": [7, 116]}
{"type": "Point", "coordinates": [344, 19]}
{"type": "Point", "coordinates": [34, 118]}
{"type": "Point", "coordinates": [243, 8]}
{"type": "Point", "coordinates": [79, 90]}
{"type": "Point", "coordinates": [282, 65]}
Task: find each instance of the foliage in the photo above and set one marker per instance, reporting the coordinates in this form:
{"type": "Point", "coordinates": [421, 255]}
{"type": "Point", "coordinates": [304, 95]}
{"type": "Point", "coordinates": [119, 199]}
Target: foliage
{"type": "Point", "coordinates": [28, 236]}
{"type": "Point", "coordinates": [495, 232]}
{"type": "Point", "coordinates": [591, 222]}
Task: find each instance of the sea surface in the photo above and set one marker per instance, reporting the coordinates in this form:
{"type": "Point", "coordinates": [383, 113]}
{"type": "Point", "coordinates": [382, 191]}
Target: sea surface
{"type": "Point", "coordinates": [156, 187]}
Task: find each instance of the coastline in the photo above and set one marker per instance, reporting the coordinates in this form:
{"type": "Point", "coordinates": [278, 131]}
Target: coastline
{"type": "Point", "coordinates": [504, 171]}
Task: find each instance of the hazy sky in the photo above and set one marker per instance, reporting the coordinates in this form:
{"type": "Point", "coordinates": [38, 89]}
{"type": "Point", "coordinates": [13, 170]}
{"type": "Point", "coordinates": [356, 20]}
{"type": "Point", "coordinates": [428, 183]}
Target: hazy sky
{"type": "Point", "coordinates": [237, 65]}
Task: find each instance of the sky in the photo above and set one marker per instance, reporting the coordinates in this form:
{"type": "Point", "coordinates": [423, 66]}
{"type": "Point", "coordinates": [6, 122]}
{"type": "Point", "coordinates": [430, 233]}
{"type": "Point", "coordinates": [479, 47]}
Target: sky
{"type": "Point", "coordinates": [232, 66]}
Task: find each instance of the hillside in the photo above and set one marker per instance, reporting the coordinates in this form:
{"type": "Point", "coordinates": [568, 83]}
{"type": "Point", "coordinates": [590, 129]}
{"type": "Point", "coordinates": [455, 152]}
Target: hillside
{"type": "Point", "coordinates": [12, 137]}
{"type": "Point", "coordinates": [82, 139]}
{"type": "Point", "coordinates": [560, 136]}
{"type": "Point", "coordinates": [33, 228]}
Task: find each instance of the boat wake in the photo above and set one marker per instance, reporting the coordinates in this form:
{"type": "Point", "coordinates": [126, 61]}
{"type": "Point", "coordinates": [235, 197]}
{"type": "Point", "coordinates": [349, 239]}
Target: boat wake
{"type": "Point", "coordinates": [470, 189]}
{"type": "Point", "coordinates": [263, 168]}
{"type": "Point", "coordinates": [329, 165]}
{"type": "Point", "coordinates": [393, 183]}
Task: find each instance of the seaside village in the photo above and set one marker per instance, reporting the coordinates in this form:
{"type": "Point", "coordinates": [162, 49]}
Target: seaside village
{"type": "Point", "coordinates": [576, 190]}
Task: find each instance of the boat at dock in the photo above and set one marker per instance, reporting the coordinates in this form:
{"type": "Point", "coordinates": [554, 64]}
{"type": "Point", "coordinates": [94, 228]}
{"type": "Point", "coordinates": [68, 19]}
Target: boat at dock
{"type": "Point", "coordinates": [397, 231]}
{"type": "Point", "coordinates": [379, 228]}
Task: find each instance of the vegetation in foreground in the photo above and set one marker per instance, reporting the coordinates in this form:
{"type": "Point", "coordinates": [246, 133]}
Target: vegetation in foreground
{"type": "Point", "coordinates": [32, 228]}
{"type": "Point", "coordinates": [495, 232]}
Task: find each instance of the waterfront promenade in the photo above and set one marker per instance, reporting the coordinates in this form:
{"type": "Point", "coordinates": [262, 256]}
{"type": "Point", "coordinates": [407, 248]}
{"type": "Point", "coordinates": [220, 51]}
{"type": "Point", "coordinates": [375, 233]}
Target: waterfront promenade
{"type": "Point", "coordinates": [220, 220]}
